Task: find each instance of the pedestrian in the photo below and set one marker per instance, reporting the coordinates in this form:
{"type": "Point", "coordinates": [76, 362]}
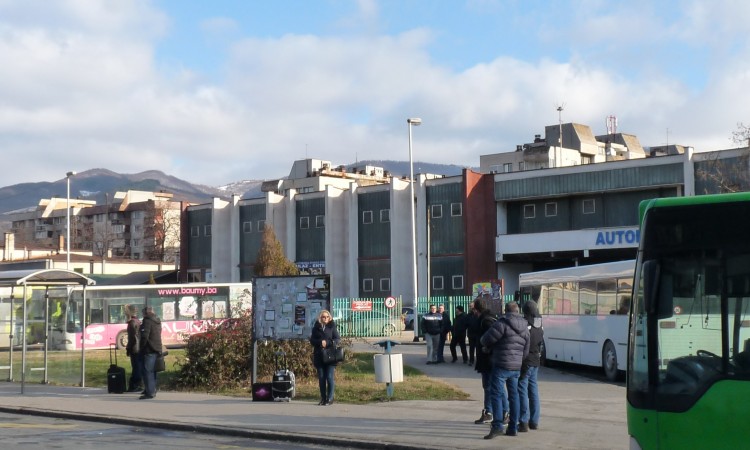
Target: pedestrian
{"type": "Point", "coordinates": [324, 335]}
{"type": "Point", "coordinates": [458, 334]}
{"type": "Point", "coordinates": [472, 332]}
{"type": "Point", "coordinates": [485, 318]}
{"type": "Point", "coordinates": [509, 340]}
{"type": "Point", "coordinates": [431, 325]}
{"type": "Point", "coordinates": [528, 389]}
{"type": "Point", "coordinates": [150, 349]}
{"type": "Point", "coordinates": [132, 349]}
{"type": "Point", "coordinates": [445, 331]}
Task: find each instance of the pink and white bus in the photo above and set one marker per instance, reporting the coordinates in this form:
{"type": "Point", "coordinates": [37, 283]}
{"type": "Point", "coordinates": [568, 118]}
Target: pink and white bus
{"type": "Point", "coordinates": [184, 309]}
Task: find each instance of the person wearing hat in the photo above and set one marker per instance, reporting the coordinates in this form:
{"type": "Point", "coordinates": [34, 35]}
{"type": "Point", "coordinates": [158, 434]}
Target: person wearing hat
{"type": "Point", "coordinates": [132, 349]}
{"type": "Point", "coordinates": [528, 390]}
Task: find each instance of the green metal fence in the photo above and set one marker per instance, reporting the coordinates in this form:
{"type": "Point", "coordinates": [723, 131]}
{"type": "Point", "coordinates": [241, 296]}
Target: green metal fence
{"type": "Point", "coordinates": [372, 317]}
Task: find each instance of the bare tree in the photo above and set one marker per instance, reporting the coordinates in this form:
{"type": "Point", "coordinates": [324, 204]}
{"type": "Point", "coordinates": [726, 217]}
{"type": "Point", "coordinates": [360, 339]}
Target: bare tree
{"type": "Point", "coordinates": [163, 232]}
{"type": "Point", "coordinates": [741, 136]}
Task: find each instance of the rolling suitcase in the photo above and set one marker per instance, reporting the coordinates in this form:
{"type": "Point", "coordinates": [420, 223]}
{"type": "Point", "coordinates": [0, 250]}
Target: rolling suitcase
{"type": "Point", "coordinates": [115, 374]}
{"type": "Point", "coordinates": [283, 384]}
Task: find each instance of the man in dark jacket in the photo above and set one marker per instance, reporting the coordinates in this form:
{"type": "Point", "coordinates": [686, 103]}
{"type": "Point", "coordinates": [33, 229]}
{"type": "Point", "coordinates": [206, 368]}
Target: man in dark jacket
{"type": "Point", "coordinates": [132, 349]}
{"type": "Point", "coordinates": [485, 319]}
{"type": "Point", "coordinates": [150, 349]}
{"type": "Point", "coordinates": [528, 390]}
{"type": "Point", "coordinates": [445, 329]}
{"type": "Point", "coordinates": [460, 325]}
{"type": "Point", "coordinates": [509, 340]}
{"type": "Point", "coordinates": [431, 325]}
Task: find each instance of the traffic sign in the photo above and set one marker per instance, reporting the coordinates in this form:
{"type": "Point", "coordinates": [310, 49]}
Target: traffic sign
{"type": "Point", "coordinates": [390, 302]}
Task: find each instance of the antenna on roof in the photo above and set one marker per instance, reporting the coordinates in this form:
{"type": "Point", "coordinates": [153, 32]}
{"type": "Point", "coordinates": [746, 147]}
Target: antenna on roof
{"type": "Point", "coordinates": [612, 124]}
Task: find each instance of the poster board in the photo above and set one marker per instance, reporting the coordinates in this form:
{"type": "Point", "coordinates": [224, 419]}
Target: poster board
{"type": "Point", "coordinates": [287, 307]}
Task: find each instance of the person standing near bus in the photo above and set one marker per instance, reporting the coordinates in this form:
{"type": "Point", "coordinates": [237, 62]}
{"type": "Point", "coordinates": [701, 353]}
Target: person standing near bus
{"type": "Point", "coordinates": [150, 348]}
{"type": "Point", "coordinates": [132, 349]}
{"type": "Point", "coordinates": [509, 340]}
{"type": "Point", "coordinates": [431, 325]}
{"type": "Point", "coordinates": [528, 389]}
{"type": "Point", "coordinates": [324, 335]}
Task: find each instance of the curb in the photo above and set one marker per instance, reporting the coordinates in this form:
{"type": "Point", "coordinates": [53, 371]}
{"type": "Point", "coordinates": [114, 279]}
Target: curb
{"type": "Point", "coordinates": [280, 436]}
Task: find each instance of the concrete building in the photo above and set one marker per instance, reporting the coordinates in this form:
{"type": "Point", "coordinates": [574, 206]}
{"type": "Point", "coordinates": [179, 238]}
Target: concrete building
{"type": "Point", "coordinates": [579, 206]}
{"type": "Point", "coordinates": [136, 225]}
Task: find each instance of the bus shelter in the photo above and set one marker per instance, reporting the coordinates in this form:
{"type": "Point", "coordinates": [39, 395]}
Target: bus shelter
{"type": "Point", "coordinates": [25, 310]}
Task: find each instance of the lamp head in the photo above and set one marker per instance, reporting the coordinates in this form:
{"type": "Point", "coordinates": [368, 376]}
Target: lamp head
{"type": "Point", "coordinates": [414, 121]}
{"type": "Point", "coordinates": [70, 174]}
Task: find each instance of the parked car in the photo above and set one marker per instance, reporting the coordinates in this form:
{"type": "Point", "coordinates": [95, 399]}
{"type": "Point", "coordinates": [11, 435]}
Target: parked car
{"type": "Point", "coordinates": [407, 312]}
{"type": "Point", "coordinates": [367, 323]}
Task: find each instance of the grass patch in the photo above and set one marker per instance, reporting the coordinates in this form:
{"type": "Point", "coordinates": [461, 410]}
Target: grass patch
{"type": "Point", "coordinates": [355, 379]}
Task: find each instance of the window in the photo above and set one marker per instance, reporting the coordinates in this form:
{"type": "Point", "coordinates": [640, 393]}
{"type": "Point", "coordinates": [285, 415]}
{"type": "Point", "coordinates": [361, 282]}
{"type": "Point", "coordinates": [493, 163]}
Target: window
{"type": "Point", "coordinates": [436, 211]}
{"type": "Point", "coordinates": [585, 159]}
{"type": "Point", "coordinates": [99, 218]}
{"type": "Point", "coordinates": [320, 221]}
{"type": "Point", "coordinates": [385, 215]}
{"type": "Point", "coordinates": [521, 166]}
{"type": "Point", "coordinates": [137, 228]}
{"type": "Point", "coordinates": [195, 231]}
{"type": "Point", "coordinates": [261, 225]}
{"type": "Point", "coordinates": [367, 284]}
{"type": "Point", "coordinates": [136, 243]}
{"type": "Point", "coordinates": [437, 283]}
{"type": "Point", "coordinates": [458, 281]}
{"type": "Point", "coordinates": [304, 222]}
{"type": "Point", "coordinates": [247, 227]}
{"type": "Point", "coordinates": [589, 206]}
{"type": "Point", "coordinates": [456, 209]}
{"type": "Point", "coordinates": [137, 215]}
{"type": "Point", "coordinates": [207, 230]}
{"type": "Point", "coordinates": [385, 284]}
{"type": "Point", "coordinates": [529, 211]}
{"type": "Point", "coordinates": [508, 167]}
{"type": "Point", "coordinates": [494, 169]}
{"type": "Point", "coordinates": [550, 209]}
{"type": "Point", "coordinates": [366, 216]}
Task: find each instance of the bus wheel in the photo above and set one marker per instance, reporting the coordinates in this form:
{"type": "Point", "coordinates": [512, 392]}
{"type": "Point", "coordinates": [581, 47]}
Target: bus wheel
{"type": "Point", "coordinates": [122, 340]}
{"type": "Point", "coordinates": [609, 361]}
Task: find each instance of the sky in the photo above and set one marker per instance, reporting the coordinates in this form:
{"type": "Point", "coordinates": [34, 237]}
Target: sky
{"type": "Point", "coordinates": [220, 91]}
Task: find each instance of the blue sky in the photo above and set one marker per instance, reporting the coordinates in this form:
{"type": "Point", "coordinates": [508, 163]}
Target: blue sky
{"type": "Point", "coordinates": [222, 91]}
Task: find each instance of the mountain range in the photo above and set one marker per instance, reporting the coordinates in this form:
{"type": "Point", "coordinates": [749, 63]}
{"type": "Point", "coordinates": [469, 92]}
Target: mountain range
{"type": "Point", "coordinates": [98, 184]}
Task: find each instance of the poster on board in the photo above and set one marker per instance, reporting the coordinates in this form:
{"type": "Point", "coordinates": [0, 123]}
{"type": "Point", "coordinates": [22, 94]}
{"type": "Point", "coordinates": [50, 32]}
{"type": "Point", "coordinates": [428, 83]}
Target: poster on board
{"type": "Point", "coordinates": [287, 307]}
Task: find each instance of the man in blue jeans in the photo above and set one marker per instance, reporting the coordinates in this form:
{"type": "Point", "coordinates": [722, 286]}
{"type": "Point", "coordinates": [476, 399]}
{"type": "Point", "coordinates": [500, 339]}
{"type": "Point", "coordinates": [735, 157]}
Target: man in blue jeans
{"type": "Point", "coordinates": [150, 348]}
{"type": "Point", "coordinates": [528, 390]}
{"type": "Point", "coordinates": [509, 340]}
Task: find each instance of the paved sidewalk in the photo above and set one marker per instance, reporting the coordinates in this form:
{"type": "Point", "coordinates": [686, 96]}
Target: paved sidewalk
{"type": "Point", "coordinates": [577, 413]}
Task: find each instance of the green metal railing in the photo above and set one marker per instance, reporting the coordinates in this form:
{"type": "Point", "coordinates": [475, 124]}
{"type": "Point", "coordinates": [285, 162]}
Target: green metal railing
{"type": "Point", "coordinates": [371, 317]}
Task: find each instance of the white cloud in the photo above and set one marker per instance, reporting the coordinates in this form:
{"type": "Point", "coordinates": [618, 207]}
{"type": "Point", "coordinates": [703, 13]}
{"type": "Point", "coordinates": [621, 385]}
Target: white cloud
{"type": "Point", "coordinates": [84, 90]}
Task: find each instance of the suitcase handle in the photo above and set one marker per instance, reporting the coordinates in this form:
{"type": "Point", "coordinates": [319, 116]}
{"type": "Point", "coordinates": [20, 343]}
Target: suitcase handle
{"type": "Point", "coordinates": [280, 360]}
{"type": "Point", "coordinates": [110, 353]}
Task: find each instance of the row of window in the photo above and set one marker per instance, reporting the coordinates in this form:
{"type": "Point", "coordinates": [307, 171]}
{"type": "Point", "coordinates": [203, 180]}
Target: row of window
{"type": "Point", "coordinates": [602, 297]}
{"type": "Point", "coordinates": [195, 230]}
{"type": "Point", "coordinates": [436, 211]}
{"type": "Point", "coordinates": [247, 227]}
{"type": "Point", "coordinates": [304, 222]}
{"type": "Point", "coordinates": [438, 283]}
{"type": "Point", "coordinates": [550, 209]}
{"type": "Point", "coordinates": [385, 216]}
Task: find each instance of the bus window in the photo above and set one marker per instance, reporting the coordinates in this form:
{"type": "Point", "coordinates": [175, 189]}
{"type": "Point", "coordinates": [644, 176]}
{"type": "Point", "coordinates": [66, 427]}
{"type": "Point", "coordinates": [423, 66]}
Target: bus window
{"type": "Point", "coordinates": [607, 296]}
{"type": "Point", "coordinates": [588, 295]}
{"type": "Point", "coordinates": [570, 295]}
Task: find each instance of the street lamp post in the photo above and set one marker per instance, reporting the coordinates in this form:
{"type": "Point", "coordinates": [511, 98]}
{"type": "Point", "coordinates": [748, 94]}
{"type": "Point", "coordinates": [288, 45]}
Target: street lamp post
{"type": "Point", "coordinates": [413, 122]}
{"type": "Point", "coordinates": [68, 176]}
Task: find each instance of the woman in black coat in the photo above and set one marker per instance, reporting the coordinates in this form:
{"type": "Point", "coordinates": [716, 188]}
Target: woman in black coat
{"type": "Point", "coordinates": [324, 335]}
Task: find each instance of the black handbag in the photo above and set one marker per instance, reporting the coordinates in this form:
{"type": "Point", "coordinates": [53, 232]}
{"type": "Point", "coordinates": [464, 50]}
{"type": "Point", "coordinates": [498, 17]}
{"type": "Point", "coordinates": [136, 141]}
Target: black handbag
{"type": "Point", "coordinates": [160, 365]}
{"type": "Point", "coordinates": [333, 354]}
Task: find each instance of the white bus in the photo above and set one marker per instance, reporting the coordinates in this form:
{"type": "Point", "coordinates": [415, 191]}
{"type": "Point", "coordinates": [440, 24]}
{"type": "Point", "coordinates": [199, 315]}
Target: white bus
{"type": "Point", "coordinates": [585, 311]}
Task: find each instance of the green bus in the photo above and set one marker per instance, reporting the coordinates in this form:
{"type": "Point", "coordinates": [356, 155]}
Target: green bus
{"type": "Point", "coordinates": [688, 373]}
